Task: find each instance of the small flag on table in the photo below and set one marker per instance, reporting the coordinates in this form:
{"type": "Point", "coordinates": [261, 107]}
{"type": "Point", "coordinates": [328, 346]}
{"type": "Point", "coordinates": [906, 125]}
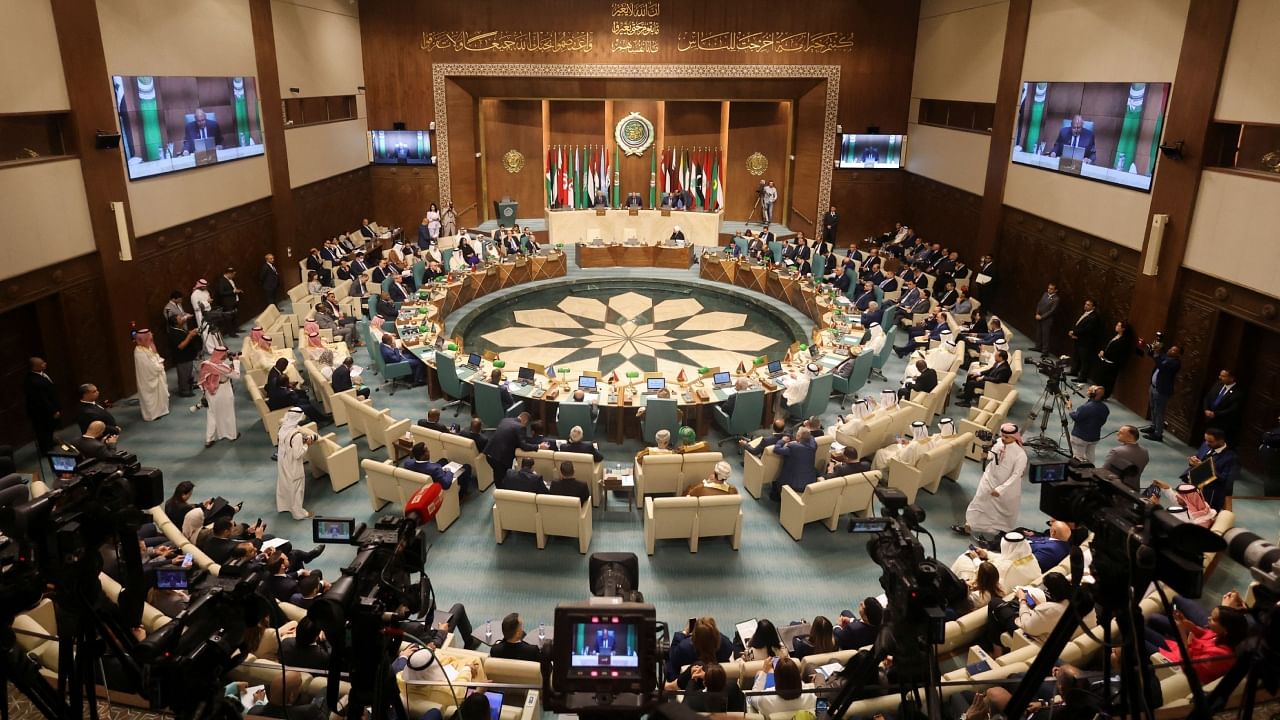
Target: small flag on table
{"type": "Point", "coordinates": [680, 377]}
{"type": "Point", "coordinates": [742, 368]}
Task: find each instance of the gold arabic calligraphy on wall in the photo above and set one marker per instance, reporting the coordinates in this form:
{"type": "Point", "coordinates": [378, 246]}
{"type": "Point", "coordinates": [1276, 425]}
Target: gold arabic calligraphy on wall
{"type": "Point", "coordinates": [778, 41]}
{"type": "Point", "coordinates": [636, 9]}
{"type": "Point", "coordinates": [509, 41]}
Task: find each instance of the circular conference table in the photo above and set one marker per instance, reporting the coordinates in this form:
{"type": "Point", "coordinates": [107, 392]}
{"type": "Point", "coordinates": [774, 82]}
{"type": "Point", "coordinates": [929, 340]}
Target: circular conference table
{"type": "Point", "coordinates": [834, 332]}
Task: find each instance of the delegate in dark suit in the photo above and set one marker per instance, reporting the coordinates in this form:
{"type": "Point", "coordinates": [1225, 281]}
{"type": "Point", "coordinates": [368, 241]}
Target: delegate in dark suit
{"type": "Point", "coordinates": [42, 408]}
{"type": "Point", "coordinates": [522, 480]}
{"type": "Point", "coordinates": [830, 226]}
{"type": "Point", "coordinates": [1073, 136]}
{"type": "Point", "coordinates": [571, 487]}
{"type": "Point", "coordinates": [226, 294]}
{"type": "Point", "coordinates": [584, 447]}
{"type": "Point", "coordinates": [1085, 333]}
{"type": "Point", "coordinates": [797, 469]}
{"type": "Point", "coordinates": [926, 381]}
{"type": "Point", "coordinates": [1225, 461]}
{"type": "Point", "coordinates": [195, 131]}
{"type": "Point", "coordinates": [90, 411]}
{"type": "Point", "coordinates": [503, 443]}
{"type": "Point", "coordinates": [269, 279]}
{"type": "Point", "coordinates": [999, 373]}
{"type": "Point", "coordinates": [1223, 404]}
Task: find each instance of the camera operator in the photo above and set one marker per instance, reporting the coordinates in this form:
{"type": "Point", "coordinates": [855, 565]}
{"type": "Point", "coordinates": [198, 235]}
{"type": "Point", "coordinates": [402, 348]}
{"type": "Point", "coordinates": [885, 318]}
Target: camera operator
{"type": "Point", "coordinates": [1089, 419]}
{"type": "Point", "coordinates": [183, 345]}
{"type": "Point", "coordinates": [1168, 363]}
{"type": "Point", "coordinates": [216, 375]}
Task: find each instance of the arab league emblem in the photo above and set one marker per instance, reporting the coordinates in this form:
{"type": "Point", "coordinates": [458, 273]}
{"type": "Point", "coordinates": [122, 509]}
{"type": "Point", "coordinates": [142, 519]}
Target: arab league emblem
{"type": "Point", "coordinates": [634, 134]}
{"type": "Point", "coordinates": [513, 161]}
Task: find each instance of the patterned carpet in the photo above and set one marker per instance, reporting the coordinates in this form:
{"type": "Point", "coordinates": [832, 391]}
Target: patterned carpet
{"type": "Point", "coordinates": [771, 576]}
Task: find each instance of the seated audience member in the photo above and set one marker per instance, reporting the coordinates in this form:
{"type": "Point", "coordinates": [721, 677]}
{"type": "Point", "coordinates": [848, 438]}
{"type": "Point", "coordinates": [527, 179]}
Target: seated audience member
{"type": "Point", "coordinates": [925, 380]}
{"type": "Point", "coordinates": [283, 582]}
{"type": "Point", "coordinates": [700, 643]}
{"type": "Point", "coordinates": [308, 592]}
{"type": "Point", "coordinates": [1033, 611]}
{"type": "Point", "coordinates": [504, 394]}
{"type": "Point", "coordinates": [764, 643]}
{"type": "Point", "coordinates": [170, 602]}
{"type": "Point", "coordinates": [1222, 462]}
{"type": "Point", "coordinates": [716, 484]}
{"type": "Point", "coordinates": [577, 445]}
{"type": "Point", "coordinates": [1000, 372]}
{"type": "Point", "coordinates": [419, 462]}
{"type": "Point", "coordinates": [709, 691]}
{"type": "Point", "coordinates": [1212, 648]}
{"type": "Point", "coordinates": [284, 700]}
{"type": "Point", "coordinates": [787, 697]}
{"type": "Point", "coordinates": [846, 463]}
{"type": "Point", "coordinates": [95, 443]}
{"type": "Point", "coordinates": [985, 586]}
{"type": "Point", "coordinates": [757, 446]}
{"type": "Point", "coordinates": [661, 446]}
{"type": "Point", "coordinates": [821, 639]}
{"type": "Point", "coordinates": [1052, 547]}
{"type": "Point", "coordinates": [523, 479]}
{"type": "Point", "coordinates": [854, 633]}
{"type": "Point", "coordinates": [432, 421]}
{"type": "Point", "coordinates": [176, 507]}
{"type": "Point", "coordinates": [393, 354]}
{"type": "Point", "coordinates": [307, 648]}
{"type": "Point", "coordinates": [1015, 562]}
{"type": "Point", "coordinates": [342, 380]}
{"type": "Point", "coordinates": [568, 485]}
{"type": "Point", "coordinates": [426, 666]}
{"type": "Point", "coordinates": [512, 646]}
{"type": "Point", "coordinates": [475, 432]}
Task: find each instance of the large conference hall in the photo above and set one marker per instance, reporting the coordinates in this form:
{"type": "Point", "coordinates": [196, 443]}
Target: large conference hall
{"type": "Point", "coordinates": [621, 358]}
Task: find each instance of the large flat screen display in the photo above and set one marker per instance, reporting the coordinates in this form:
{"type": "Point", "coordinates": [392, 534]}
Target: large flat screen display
{"type": "Point", "coordinates": [171, 123]}
{"type": "Point", "coordinates": [400, 147]}
{"type": "Point", "coordinates": [871, 151]}
{"type": "Point", "coordinates": [1100, 131]}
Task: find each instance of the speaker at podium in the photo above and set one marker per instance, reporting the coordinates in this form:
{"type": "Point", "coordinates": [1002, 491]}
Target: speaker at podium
{"type": "Point", "coordinates": [505, 211]}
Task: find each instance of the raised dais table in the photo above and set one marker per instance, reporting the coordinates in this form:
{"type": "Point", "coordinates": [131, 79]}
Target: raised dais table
{"type": "Point", "coordinates": [646, 226]}
{"type": "Point", "coordinates": [623, 255]}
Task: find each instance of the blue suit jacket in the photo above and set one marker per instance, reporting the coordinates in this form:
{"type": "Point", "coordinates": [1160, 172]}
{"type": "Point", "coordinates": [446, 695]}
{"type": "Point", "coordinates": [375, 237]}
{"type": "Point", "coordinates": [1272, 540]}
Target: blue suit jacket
{"type": "Point", "coordinates": [1224, 466]}
{"type": "Point", "coordinates": [797, 464]}
{"type": "Point", "coordinates": [1089, 419]}
{"type": "Point", "coordinates": [435, 471]}
{"type": "Point", "coordinates": [1166, 372]}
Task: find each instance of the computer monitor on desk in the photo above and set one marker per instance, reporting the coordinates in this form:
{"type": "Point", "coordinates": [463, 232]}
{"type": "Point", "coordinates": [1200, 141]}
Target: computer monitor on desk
{"type": "Point", "coordinates": [653, 385]}
{"type": "Point", "coordinates": [587, 383]}
{"type": "Point", "coordinates": [722, 379]}
{"type": "Point", "coordinates": [773, 368]}
{"type": "Point", "coordinates": [525, 375]}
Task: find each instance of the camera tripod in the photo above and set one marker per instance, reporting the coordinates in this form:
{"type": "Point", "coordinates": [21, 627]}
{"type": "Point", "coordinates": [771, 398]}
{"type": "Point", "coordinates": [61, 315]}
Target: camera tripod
{"type": "Point", "coordinates": [754, 208]}
{"type": "Point", "coordinates": [1053, 400]}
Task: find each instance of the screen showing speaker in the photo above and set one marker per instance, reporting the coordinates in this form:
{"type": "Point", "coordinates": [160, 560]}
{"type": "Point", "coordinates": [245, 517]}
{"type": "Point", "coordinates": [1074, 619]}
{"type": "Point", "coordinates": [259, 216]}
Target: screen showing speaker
{"type": "Point", "coordinates": [871, 151]}
{"type": "Point", "coordinates": [400, 147]}
{"type": "Point", "coordinates": [172, 123]}
{"type": "Point", "coordinates": [1108, 132]}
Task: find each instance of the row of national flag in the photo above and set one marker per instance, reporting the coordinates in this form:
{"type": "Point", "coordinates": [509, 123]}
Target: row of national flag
{"type": "Point", "coordinates": [700, 171]}
{"type": "Point", "coordinates": [576, 175]}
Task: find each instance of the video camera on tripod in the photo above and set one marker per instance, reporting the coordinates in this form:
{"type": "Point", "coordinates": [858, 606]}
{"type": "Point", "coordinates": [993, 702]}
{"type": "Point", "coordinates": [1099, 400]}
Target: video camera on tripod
{"type": "Point", "coordinates": [919, 590]}
{"type": "Point", "coordinates": [1054, 368]}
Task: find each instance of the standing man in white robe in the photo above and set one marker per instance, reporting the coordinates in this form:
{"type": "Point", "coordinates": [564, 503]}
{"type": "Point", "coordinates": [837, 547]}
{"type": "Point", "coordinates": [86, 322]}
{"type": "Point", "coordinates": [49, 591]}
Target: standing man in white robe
{"type": "Point", "coordinates": [291, 453]}
{"type": "Point", "coordinates": [153, 386]}
{"type": "Point", "coordinates": [448, 221]}
{"type": "Point", "coordinates": [216, 375]}
{"type": "Point", "coordinates": [201, 300]}
{"type": "Point", "coordinates": [995, 505]}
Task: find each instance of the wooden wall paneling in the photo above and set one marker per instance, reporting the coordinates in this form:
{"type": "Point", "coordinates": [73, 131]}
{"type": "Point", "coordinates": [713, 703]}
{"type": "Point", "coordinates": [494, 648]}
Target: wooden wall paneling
{"type": "Point", "coordinates": [691, 125]}
{"type": "Point", "coordinates": [868, 202]}
{"type": "Point", "coordinates": [1034, 252]}
{"type": "Point", "coordinates": [20, 339]}
{"type": "Point", "coordinates": [577, 122]}
{"type": "Point", "coordinates": [283, 210]}
{"type": "Point", "coordinates": [753, 127]}
{"type": "Point", "coordinates": [85, 67]}
{"type": "Point", "coordinates": [1008, 89]}
{"type": "Point", "coordinates": [1176, 187]}
{"type": "Point", "coordinates": [402, 194]}
{"type": "Point", "coordinates": [513, 125]}
{"type": "Point", "coordinates": [806, 173]}
{"type": "Point", "coordinates": [634, 171]}
{"type": "Point", "coordinates": [939, 213]}
{"type": "Point", "coordinates": [334, 205]}
{"type": "Point", "coordinates": [463, 164]}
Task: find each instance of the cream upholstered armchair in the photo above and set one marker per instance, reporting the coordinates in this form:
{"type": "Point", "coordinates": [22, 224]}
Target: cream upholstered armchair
{"type": "Point", "coordinates": [696, 467]}
{"type": "Point", "coordinates": [670, 517]}
{"type": "Point", "coordinates": [720, 516]}
{"type": "Point", "coordinates": [930, 467]}
{"type": "Point", "coordinates": [463, 450]}
{"type": "Point", "coordinates": [819, 501]}
{"type": "Point", "coordinates": [870, 438]}
{"type": "Point", "coordinates": [657, 474]}
{"type": "Point", "coordinates": [759, 471]}
{"type": "Point", "coordinates": [514, 510]}
{"type": "Point", "coordinates": [859, 494]}
{"type": "Point", "coordinates": [339, 462]}
{"type": "Point", "coordinates": [585, 468]}
{"type": "Point", "coordinates": [564, 516]}
{"type": "Point", "coordinates": [988, 414]}
{"type": "Point", "coordinates": [387, 483]}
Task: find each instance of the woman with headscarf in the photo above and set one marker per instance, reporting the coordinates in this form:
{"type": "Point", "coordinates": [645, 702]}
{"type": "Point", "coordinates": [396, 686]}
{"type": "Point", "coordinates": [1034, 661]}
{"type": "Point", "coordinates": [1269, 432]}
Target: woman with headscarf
{"type": "Point", "coordinates": [153, 386]}
{"type": "Point", "coordinates": [994, 507]}
{"type": "Point", "coordinates": [216, 375]}
{"type": "Point", "coordinates": [291, 452]}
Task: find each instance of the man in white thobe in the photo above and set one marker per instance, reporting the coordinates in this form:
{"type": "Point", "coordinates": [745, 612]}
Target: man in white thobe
{"type": "Point", "coordinates": [797, 389]}
{"type": "Point", "coordinates": [994, 507]}
{"type": "Point", "coordinates": [1016, 563]}
{"type": "Point", "coordinates": [876, 342]}
{"type": "Point", "coordinates": [153, 386]}
{"type": "Point", "coordinates": [906, 450]}
{"type": "Point", "coordinates": [851, 425]}
{"type": "Point", "coordinates": [291, 454]}
{"type": "Point", "coordinates": [201, 300]}
{"type": "Point", "coordinates": [216, 375]}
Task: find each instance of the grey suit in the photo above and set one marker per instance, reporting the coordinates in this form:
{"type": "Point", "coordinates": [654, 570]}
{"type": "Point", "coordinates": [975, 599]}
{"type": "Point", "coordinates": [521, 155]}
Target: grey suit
{"type": "Point", "coordinates": [1123, 456]}
{"type": "Point", "coordinates": [1046, 308]}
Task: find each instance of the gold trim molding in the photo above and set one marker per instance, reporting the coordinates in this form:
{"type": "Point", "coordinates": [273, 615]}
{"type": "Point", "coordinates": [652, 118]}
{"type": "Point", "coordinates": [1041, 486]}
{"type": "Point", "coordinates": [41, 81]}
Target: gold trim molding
{"type": "Point", "coordinates": [829, 73]}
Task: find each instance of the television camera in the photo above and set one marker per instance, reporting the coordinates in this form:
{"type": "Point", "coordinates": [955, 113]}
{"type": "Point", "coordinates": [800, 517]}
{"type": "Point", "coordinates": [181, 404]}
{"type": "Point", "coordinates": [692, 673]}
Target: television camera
{"type": "Point", "coordinates": [1053, 400]}
{"type": "Point", "coordinates": [1135, 543]}
{"type": "Point", "coordinates": [919, 590]}
{"type": "Point", "coordinates": [604, 660]}
{"type": "Point", "coordinates": [365, 612]}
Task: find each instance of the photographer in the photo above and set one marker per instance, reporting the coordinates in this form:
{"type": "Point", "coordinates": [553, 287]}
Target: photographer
{"type": "Point", "coordinates": [216, 375]}
{"type": "Point", "coordinates": [1167, 366]}
{"type": "Point", "coordinates": [291, 452]}
{"type": "Point", "coordinates": [1089, 419]}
